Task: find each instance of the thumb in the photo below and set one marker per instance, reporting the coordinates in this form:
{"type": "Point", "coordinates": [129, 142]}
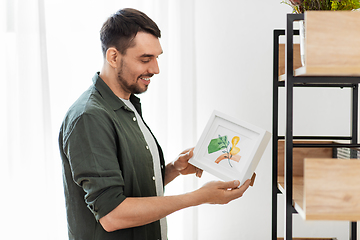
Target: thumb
{"type": "Point", "coordinates": [186, 155]}
{"type": "Point", "coordinates": [230, 184]}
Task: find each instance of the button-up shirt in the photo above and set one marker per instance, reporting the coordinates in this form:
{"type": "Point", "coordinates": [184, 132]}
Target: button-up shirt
{"type": "Point", "coordinates": [105, 159]}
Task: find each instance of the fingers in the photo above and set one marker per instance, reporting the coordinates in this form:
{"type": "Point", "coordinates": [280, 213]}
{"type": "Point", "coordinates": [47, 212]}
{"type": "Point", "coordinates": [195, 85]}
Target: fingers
{"type": "Point", "coordinates": [234, 184]}
{"type": "Point", "coordinates": [245, 185]}
{"type": "Point", "coordinates": [229, 185]}
{"type": "Point", "coordinates": [187, 150]}
{"type": "Point", "coordinates": [186, 155]}
{"type": "Point", "coordinates": [184, 167]}
{"type": "Point", "coordinates": [198, 172]}
{"type": "Point", "coordinates": [224, 192]}
{"type": "Point", "coordinates": [236, 191]}
{"type": "Point", "coordinates": [181, 162]}
{"type": "Point", "coordinates": [252, 180]}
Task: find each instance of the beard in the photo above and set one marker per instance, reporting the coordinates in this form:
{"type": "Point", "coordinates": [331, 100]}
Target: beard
{"type": "Point", "coordinates": [133, 88]}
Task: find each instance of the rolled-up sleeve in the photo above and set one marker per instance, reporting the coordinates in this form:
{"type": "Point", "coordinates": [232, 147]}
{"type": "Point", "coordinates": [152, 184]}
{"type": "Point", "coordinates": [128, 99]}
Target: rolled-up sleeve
{"type": "Point", "coordinates": [91, 150]}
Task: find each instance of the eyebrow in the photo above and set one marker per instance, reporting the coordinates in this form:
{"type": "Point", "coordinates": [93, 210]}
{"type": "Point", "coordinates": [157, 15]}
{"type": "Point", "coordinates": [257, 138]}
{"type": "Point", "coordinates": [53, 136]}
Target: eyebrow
{"type": "Point", "coordinates": [148, 55]}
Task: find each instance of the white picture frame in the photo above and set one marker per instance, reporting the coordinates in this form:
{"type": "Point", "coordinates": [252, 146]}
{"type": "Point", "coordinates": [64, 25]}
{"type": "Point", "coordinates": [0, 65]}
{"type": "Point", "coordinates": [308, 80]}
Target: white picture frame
{"type": "Point", "coordinates": [234, 157]}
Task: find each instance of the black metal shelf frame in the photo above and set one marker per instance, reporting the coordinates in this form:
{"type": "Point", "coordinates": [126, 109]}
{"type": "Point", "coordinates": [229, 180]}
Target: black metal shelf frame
{"type": "Point", "coordinates": [292, 81]}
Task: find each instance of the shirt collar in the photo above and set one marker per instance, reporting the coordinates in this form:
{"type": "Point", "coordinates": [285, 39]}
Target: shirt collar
{"type": "Point", "coordinates": [111, 98]}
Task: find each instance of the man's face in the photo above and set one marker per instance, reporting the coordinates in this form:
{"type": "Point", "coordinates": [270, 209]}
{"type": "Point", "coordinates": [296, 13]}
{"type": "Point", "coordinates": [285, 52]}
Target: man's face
{"type": "Point", "coordinates": [139, 64]}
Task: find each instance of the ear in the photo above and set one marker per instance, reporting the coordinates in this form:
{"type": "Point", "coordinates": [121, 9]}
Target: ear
{"type": "Point", "coordinates": [113, 57]}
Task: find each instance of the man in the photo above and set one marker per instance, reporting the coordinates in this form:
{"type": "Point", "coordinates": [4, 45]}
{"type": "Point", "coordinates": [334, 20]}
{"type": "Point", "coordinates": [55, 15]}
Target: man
{"type": "Point", "coordinates": [113, 168]}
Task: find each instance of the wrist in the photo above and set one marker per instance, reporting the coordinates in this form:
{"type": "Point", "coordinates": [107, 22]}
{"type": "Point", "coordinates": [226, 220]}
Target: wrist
{"type": "Point", "coordinates": [172, 168]}
{"type": "Point", "coordinates": [170, 173]}
{"type": "Point", "coordinates": [198, 197]}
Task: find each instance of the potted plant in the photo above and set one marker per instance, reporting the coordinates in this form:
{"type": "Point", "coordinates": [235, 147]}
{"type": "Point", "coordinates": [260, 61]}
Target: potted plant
{"type": "Point", "coordinates": [300, 6]}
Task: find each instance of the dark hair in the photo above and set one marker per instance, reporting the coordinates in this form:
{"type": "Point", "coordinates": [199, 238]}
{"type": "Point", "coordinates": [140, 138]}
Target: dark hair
{"type": "Point", "coordinates": [121, 28]}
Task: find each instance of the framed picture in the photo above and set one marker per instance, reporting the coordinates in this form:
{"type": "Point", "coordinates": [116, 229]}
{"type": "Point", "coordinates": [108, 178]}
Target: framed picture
{"type": "Point", "coordinates": [230, 149]}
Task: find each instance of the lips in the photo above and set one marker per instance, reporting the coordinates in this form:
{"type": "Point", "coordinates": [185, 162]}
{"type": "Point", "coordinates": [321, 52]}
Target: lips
{"type": "Point", "coordinates": [145, 79]}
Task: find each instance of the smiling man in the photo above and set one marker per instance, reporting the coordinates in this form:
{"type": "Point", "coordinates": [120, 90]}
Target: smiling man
{"type": "Point", "coordinates": [130, 73]}
{"type": "Point", "coordinates": [114, 171]}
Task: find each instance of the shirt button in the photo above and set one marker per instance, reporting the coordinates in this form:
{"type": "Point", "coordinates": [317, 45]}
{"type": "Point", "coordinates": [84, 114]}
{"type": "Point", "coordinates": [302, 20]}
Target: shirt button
{"type": "Point", "coordinates": [147, 147]}
{"type": "Point", "coordinates": [154, 178]}
{"type": "Point", "coordinates": [134, 119]}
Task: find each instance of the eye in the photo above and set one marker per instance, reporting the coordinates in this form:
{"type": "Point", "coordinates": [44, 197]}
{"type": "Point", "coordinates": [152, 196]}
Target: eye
{"type": "Point", "coordinates": [145, 60]}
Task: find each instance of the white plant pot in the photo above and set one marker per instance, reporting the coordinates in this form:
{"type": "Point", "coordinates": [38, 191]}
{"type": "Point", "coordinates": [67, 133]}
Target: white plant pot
{"type": "Point", "coordinates": [302, 41]}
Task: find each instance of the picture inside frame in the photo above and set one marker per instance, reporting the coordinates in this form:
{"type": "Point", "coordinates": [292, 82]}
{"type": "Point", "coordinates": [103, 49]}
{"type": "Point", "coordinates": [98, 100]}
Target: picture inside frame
{"type": "Point", "coordinates": [234, 148]}
{"type": "Point", "coordinates": [226, 148]}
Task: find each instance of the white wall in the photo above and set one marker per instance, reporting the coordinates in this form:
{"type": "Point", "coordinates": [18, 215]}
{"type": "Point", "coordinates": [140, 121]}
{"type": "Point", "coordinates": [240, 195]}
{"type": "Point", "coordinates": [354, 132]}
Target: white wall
{"type": "Point", "coordinates": [233, 62]}
{"type": "Point", "coordinates": [234, 75]}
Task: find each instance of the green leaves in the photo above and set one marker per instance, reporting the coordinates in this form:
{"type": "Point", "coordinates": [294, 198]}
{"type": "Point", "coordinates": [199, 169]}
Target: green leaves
{"type": "Point", "coordinates": [218, 144]}
{"type": "Point", "coordinates": [300, 6]}
{"type": "Point", "coordinates": [345, 5]}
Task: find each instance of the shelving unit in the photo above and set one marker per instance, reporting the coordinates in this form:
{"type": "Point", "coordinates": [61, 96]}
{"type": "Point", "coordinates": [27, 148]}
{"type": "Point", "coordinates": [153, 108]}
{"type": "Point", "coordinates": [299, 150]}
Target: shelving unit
{"type": "Point", "coordinates": [291, 184]}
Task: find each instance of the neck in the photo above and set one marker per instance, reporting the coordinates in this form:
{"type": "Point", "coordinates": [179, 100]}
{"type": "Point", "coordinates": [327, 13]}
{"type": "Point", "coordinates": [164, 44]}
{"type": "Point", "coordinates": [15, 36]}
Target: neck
{"type": "Point", "coordinates": [109, 76]}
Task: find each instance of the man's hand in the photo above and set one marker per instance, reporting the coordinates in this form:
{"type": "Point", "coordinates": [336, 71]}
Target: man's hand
{"type": "Point", "coordinates": [138, 211]}
{"type": "Point", "coordinates": [183, 166]}
{"type": "Point", "coordinates": [218, 192]}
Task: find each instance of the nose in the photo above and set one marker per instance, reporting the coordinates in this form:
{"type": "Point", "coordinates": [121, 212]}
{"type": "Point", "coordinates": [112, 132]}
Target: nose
{"type": "Point", "coordinates": [154, 67]}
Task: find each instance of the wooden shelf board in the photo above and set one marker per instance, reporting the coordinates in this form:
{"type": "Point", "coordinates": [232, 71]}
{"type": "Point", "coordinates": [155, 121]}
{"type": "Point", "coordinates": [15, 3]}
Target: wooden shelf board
{"type": "Point", "coordinates": [324, 55]}
{"type": "Point", "coordinates": [329, 71]}
{"type": "Point", "coordinates": [330, 53]}
{"type": "Point", "coordinates": [326, 71]}
{"type": "Point", "coordinates": [330, 189]}
{"type": "Point", "coordinates": [299, 154]}
{"type": "Point", "coordinates": [282, 78]}
{"type": "Point", "coordinates": [296, 60]}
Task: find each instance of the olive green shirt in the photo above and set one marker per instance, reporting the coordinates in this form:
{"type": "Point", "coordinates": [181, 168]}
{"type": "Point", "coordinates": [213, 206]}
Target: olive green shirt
{"type": "Point", "coordinates": [105, 159]}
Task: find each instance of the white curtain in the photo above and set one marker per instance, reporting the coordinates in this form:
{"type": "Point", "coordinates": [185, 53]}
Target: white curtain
{"type": "Point", "coordinates": [29, 190]}
{"type": "Point", "coordinates": [49, 51]}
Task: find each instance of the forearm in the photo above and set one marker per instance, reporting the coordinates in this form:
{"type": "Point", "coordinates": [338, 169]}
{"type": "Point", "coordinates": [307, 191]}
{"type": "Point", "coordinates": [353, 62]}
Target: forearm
{"type": "Point", "coordinates": [133, 212]}
{"type": "Point", "coordinates": [170, 173]}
